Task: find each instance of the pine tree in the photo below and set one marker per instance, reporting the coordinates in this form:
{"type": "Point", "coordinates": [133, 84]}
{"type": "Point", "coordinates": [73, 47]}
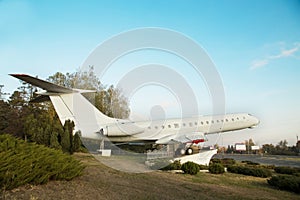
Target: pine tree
{"type": "Point", "coordinates": [76, 142]}
{"type": "Point", "coordinates": [54, 141]}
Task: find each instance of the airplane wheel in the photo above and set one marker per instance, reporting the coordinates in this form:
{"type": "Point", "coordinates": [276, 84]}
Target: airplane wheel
{"type": "Point", "coordinates": [189, 151]}
{"type": "Point", "coordinates": [182, 152]}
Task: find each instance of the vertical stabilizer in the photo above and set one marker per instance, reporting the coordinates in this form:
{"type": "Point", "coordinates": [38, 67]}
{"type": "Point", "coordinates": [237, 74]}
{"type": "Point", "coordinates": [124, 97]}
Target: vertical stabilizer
{"type": "Point", "coordinates": [71, 105]}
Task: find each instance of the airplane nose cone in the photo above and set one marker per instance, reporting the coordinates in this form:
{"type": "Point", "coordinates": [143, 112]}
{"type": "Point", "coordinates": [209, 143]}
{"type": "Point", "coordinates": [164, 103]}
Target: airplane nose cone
{"type": "Point", "coordinates": [256, 121]}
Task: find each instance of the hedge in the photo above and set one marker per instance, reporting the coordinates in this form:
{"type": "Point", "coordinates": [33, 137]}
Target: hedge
{"type": "Point", "coordinates": [28, 163]}
{"type": "Point", "coordinates": [286, 182]}
{"type": "Point", "coordinates": [250, 171]}
{"type": "Point", "coordinates": [287, 170]}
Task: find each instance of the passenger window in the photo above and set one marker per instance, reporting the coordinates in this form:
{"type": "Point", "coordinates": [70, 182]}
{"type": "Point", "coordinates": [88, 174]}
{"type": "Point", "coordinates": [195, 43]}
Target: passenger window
{"type": "Point", "coordinates": [169, 126]}
{"type": "Point", "coordinates": [232, 119]}
{"type": "Point", "coordinates": [176, 125]}
{"type": "Point", "coordinates": [162, 126]}
{"type": "Point", "coordinates": [156, 127]}
{"type": "Point", "coordinates": [196, 123]}
{"type": "Point", "coordinates": [207, 122]}
{"type": "Point", "coordinates": [212, 121]}
{"type": "Point", "coordinates": [191, 124]}
{"type": "Point", "coordinates": [226, 120]}
{"type": "Point", "coordinates": [202, 123]}
{"type": "Point", "coordinates": [183, 124]}
{"type": "Point", "coordinates": [218, 121]}
{"type": "Point", "coordinates": [149, 127]}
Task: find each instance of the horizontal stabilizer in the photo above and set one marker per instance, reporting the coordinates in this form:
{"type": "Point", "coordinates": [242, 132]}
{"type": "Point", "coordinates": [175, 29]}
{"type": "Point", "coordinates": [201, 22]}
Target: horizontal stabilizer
{"type": "Point", "coordinates": [49, 87]}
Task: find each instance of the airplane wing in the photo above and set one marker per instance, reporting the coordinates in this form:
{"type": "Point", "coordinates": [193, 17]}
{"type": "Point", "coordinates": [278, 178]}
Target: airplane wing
{"type": "Point", "coordinates": [194, 137]}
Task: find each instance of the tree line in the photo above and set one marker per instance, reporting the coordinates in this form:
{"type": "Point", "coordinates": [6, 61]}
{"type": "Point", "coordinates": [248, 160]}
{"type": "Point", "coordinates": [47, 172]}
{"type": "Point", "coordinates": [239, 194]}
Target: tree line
{"type": "Point", "coordinates": [39, 123]}
{"type": "Point", "coordinates": [281, 148]}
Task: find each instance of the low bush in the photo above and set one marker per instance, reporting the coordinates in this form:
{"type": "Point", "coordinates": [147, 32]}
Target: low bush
{"type": "Point", "coordinates": [272, 167]}
{"type": "Point", "coordinates": [216, 168]}
{"type": "Point", "coordinates": [286, 182]}
{"type": "Point", "coordinates": [248, 162]}
{"type": "Point", "coordinates": [173, 166]}
{"type": "Point", "coordinates": [250, 171]}
{"type": "Point", "coordinates": [22, 163]}
{"type": "Point", "coordinates": [286, 170]}
{"type": "Point", "coordinates": [227, 162]}
{"type": "Point", "coordinates": [190, 168]}
{"type": "Point", "coordinates": [203, 167]}
{"type": "Point", "coordinates": [215, 160]}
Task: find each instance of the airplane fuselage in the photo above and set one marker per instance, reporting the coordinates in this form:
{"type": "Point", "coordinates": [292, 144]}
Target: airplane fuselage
{"type": "Point", "coordinates": [122, 130]}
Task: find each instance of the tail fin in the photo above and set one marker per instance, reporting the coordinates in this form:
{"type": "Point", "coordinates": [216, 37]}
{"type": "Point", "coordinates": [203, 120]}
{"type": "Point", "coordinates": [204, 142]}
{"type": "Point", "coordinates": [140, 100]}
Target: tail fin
{"type": "Point", "coordinates": [71, 105]}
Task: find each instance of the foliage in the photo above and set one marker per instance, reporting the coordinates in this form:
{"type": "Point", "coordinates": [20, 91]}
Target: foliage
{"type": "Point", "coordinates": [216, 168]}
{"type": "Point", "coordinates": [280, 149]}
{"type": "Point", "coordinates": [22, 162]}
{"type": "Point", "coordinates": [248, 162]}
{"type": "Point", "coordinates": [250, 171]}
{"type": "Point", "coordinates": [230, 149]}
{"type": "Point", "coordinates": [286, 170]}
{"type": "Point", "coordinates": [176, 165]}
{"type": "Point", "coordinates": [190, 168]}
{"type": "Point", "coordinates": [225, 161]}
{"type": "Point", "coordinates": [286, 182]}
{"type": "Point", "coordinates": [215, 160]}
{"type": "Point", "coordinates": [203, 167]}
{"type": "Point", "coordinates": [159, 164]}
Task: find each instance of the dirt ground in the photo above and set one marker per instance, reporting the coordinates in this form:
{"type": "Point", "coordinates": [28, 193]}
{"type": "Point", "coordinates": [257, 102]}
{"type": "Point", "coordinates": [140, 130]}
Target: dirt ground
{"type": "Point", "coordinates": [101, 182]}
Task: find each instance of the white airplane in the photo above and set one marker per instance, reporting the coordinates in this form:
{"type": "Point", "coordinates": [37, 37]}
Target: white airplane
{"type": "Point", "coordinates": [70, 104]}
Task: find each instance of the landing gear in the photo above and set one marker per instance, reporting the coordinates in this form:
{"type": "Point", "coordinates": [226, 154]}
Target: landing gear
{"type": "Point", "coordinates": [189, 151]}
{"type": "Point", "coordinates": [182, 152]}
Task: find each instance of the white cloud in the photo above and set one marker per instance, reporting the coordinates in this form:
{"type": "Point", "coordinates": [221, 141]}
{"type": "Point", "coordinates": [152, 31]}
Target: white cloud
{"type": "Point", "coordinates": [283, 53]}
{"type": "Point", "coordinates": [259, 63]}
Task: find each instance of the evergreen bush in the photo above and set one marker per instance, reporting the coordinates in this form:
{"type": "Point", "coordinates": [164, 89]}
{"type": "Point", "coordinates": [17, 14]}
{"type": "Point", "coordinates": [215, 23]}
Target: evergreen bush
{"type": "Point", "coordinates": [190, 168]}
{"type": "Point", "coordinates": [203, 167]}
{"type": "Point", "coordinates": [286, 170]}
{"type": "Point", "coordinates": [22, 163]}
{"type": "Point", "coordinates": [227, 162]}
{"type": "Point", "coordinates": [216, 168]}
{"type": "Point", "coordinates": [286, 182]}
{"type": "Point", "coordinates": [250, 171]}
{"type": "Point", "coordinates": [173, 166]}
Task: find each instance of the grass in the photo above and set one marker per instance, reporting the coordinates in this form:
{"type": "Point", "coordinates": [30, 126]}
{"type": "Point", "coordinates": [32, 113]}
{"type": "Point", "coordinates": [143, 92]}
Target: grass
{"type": "Point", "coordinates": [101, 182]}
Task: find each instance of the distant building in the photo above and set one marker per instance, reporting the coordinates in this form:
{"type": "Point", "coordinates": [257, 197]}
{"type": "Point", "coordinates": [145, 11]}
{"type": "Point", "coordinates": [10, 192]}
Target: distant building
{"type": "Point", "coordinates": [240, 147]}
{"type": "Point", "coordinates": [298, 146]}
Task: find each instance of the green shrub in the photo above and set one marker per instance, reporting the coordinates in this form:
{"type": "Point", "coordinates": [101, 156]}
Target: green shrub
{"type": "Point", "coordinates": [250, 171]}
{"type": "Point", "coordinates": [267, 166]}
{"type": "Point", "coordinates": [216, 168]}
{"type": "Point", "coordinates": [286, 182]}
{"type": "Point", "coordinates": [190, 168]}
{"type": "Point", "coordinates": [286, 170]}
{"type": "Point", "coordinates": [227, 162]}
{"type": "Point", "coordinates": [203, 167]}
{"type": "Point", "coordinates": [215, 160]}
{"type": "Point", "coordinates": [22, 163]}
{"type": "Point", "coordinates": [248, 162]}
{"type": "Point", "coordinates": [173, 166]}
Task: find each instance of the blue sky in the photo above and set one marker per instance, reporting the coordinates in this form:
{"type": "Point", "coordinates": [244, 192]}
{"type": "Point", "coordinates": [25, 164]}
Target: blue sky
{"type": "Point", "coordinates": [255, 46]}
